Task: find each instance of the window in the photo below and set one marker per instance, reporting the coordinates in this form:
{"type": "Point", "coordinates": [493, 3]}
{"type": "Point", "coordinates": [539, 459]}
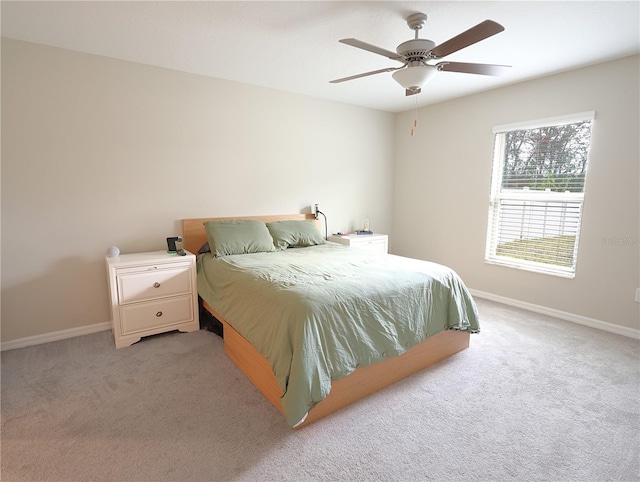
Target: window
{"type": "Point", "coordinates": [537, 193]}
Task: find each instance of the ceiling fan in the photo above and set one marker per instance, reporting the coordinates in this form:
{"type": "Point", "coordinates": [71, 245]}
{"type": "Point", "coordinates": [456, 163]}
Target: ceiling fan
{"type": "Point", "coordinates": [414, 55]}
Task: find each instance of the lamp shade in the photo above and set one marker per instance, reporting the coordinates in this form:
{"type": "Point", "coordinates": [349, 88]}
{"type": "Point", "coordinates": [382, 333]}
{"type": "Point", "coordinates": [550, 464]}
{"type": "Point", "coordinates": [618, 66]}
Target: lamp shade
{"type": "Point", "coordinates": [414, 77]}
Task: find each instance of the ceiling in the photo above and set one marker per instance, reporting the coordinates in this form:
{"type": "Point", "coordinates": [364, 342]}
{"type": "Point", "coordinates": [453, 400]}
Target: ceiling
{"type": "Point", "coordinates": [293, 45]}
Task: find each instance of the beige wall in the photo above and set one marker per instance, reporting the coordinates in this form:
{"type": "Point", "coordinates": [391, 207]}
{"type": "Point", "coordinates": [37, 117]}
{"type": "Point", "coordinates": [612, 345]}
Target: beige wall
{"type": "Point", "coordinates": [99, 152]}
{"type": "Point", "coordinates": [442, 182]}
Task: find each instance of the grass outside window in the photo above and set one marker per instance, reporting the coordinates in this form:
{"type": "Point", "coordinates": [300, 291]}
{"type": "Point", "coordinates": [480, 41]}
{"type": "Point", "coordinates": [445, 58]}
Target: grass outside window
{"type": "Point", "coordinates": [554, 250]}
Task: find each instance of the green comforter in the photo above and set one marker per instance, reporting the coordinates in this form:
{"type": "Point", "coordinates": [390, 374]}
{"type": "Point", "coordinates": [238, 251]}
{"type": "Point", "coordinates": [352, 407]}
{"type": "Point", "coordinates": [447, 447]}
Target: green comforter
{"type": "Point", "coordinates": [317, 313]}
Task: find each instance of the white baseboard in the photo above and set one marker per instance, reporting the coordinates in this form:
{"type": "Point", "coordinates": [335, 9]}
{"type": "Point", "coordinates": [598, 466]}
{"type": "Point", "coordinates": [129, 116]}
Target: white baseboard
{"type": "Point", "coordinates": [55, 336]}
{"type": "Point", "coordinates": [563, 315]}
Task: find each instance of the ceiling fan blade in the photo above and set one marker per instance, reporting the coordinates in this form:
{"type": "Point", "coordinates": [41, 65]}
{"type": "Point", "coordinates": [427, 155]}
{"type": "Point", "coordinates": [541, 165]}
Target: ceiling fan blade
{"type": "Point", "coordinates": [480, 32]}
{"type": "Point", "coordinates": [468, 68]}
{"type": "Point", "coordinates": [372, 48]}
{"type": "Point", "coordinates": [344, 79]}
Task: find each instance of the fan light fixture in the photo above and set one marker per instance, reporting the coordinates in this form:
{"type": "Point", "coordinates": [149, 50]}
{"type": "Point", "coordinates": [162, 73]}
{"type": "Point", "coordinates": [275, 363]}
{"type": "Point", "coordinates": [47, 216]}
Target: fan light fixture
{"type": "Point", "coordinates": [414, 77]}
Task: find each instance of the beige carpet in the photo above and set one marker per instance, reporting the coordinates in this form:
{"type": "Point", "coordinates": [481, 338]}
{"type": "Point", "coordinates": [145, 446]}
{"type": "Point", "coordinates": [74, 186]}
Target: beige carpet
{"type": "Point", "coordinates": [533, 398]}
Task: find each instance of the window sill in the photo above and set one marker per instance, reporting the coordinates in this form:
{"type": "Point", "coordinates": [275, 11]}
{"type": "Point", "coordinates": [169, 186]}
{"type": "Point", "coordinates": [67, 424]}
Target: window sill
{"type": "Point", "coordinates": [533, 267]}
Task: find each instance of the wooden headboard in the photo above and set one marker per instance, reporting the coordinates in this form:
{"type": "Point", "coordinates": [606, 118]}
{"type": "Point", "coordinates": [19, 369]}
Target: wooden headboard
{"type": "Point", "coordinates": [194, 236]}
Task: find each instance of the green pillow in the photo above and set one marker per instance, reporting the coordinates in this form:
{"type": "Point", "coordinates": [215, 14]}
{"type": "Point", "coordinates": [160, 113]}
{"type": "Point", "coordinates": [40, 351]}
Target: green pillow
{"type": "Point", "coordinates": [295, 234]}
{"type": "Point", "coordinates": [238, 236]}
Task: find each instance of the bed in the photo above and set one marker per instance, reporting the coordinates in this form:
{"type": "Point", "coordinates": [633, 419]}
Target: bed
{"type": "Point", "coordinates": [315, 325]}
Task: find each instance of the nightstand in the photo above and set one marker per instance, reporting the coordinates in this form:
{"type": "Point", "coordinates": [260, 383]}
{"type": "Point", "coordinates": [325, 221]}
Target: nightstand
{"type": "Point", "coordinates": [377, 243]}
{"type": "Point", "coordinates": [152, 293]}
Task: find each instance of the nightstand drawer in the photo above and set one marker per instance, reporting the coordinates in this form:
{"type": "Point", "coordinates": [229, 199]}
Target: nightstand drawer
{"type": "Point", "coordinates": [378, 245]}
{"type": "Point", "coordinates": [152, 283]}
{"type": "Point", "coordinates": [155, 314]}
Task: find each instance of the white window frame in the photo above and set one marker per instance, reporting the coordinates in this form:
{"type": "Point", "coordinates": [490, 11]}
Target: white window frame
{"type": "Point", "coordinates": [499, 196]}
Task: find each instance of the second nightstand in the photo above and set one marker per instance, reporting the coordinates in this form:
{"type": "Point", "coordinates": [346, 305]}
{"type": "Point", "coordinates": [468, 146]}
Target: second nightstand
{"type": "Point", "coordinates": [377, 243]}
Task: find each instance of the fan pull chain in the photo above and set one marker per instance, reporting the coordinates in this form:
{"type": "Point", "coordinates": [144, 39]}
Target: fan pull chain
{"type": "Point", "coordinates": [415, 114]}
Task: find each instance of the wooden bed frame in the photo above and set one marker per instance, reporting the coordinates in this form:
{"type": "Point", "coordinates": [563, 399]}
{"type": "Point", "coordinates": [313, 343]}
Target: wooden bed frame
{"type": "Point", "coordinates": [359, 384]}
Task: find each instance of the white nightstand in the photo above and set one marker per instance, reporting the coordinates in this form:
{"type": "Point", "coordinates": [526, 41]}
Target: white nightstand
{"type": "Point", "coordinates": [377, 243]}
{"type": "Point", "coordinates": [152, 293]}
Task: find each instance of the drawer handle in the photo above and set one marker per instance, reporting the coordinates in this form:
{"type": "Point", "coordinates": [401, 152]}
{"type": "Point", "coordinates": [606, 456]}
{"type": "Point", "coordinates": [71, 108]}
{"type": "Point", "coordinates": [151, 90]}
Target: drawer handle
{"type": "Point", "coordinates": [156, 285]}
{"type": "Point", "coordinates": [159, 314]}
